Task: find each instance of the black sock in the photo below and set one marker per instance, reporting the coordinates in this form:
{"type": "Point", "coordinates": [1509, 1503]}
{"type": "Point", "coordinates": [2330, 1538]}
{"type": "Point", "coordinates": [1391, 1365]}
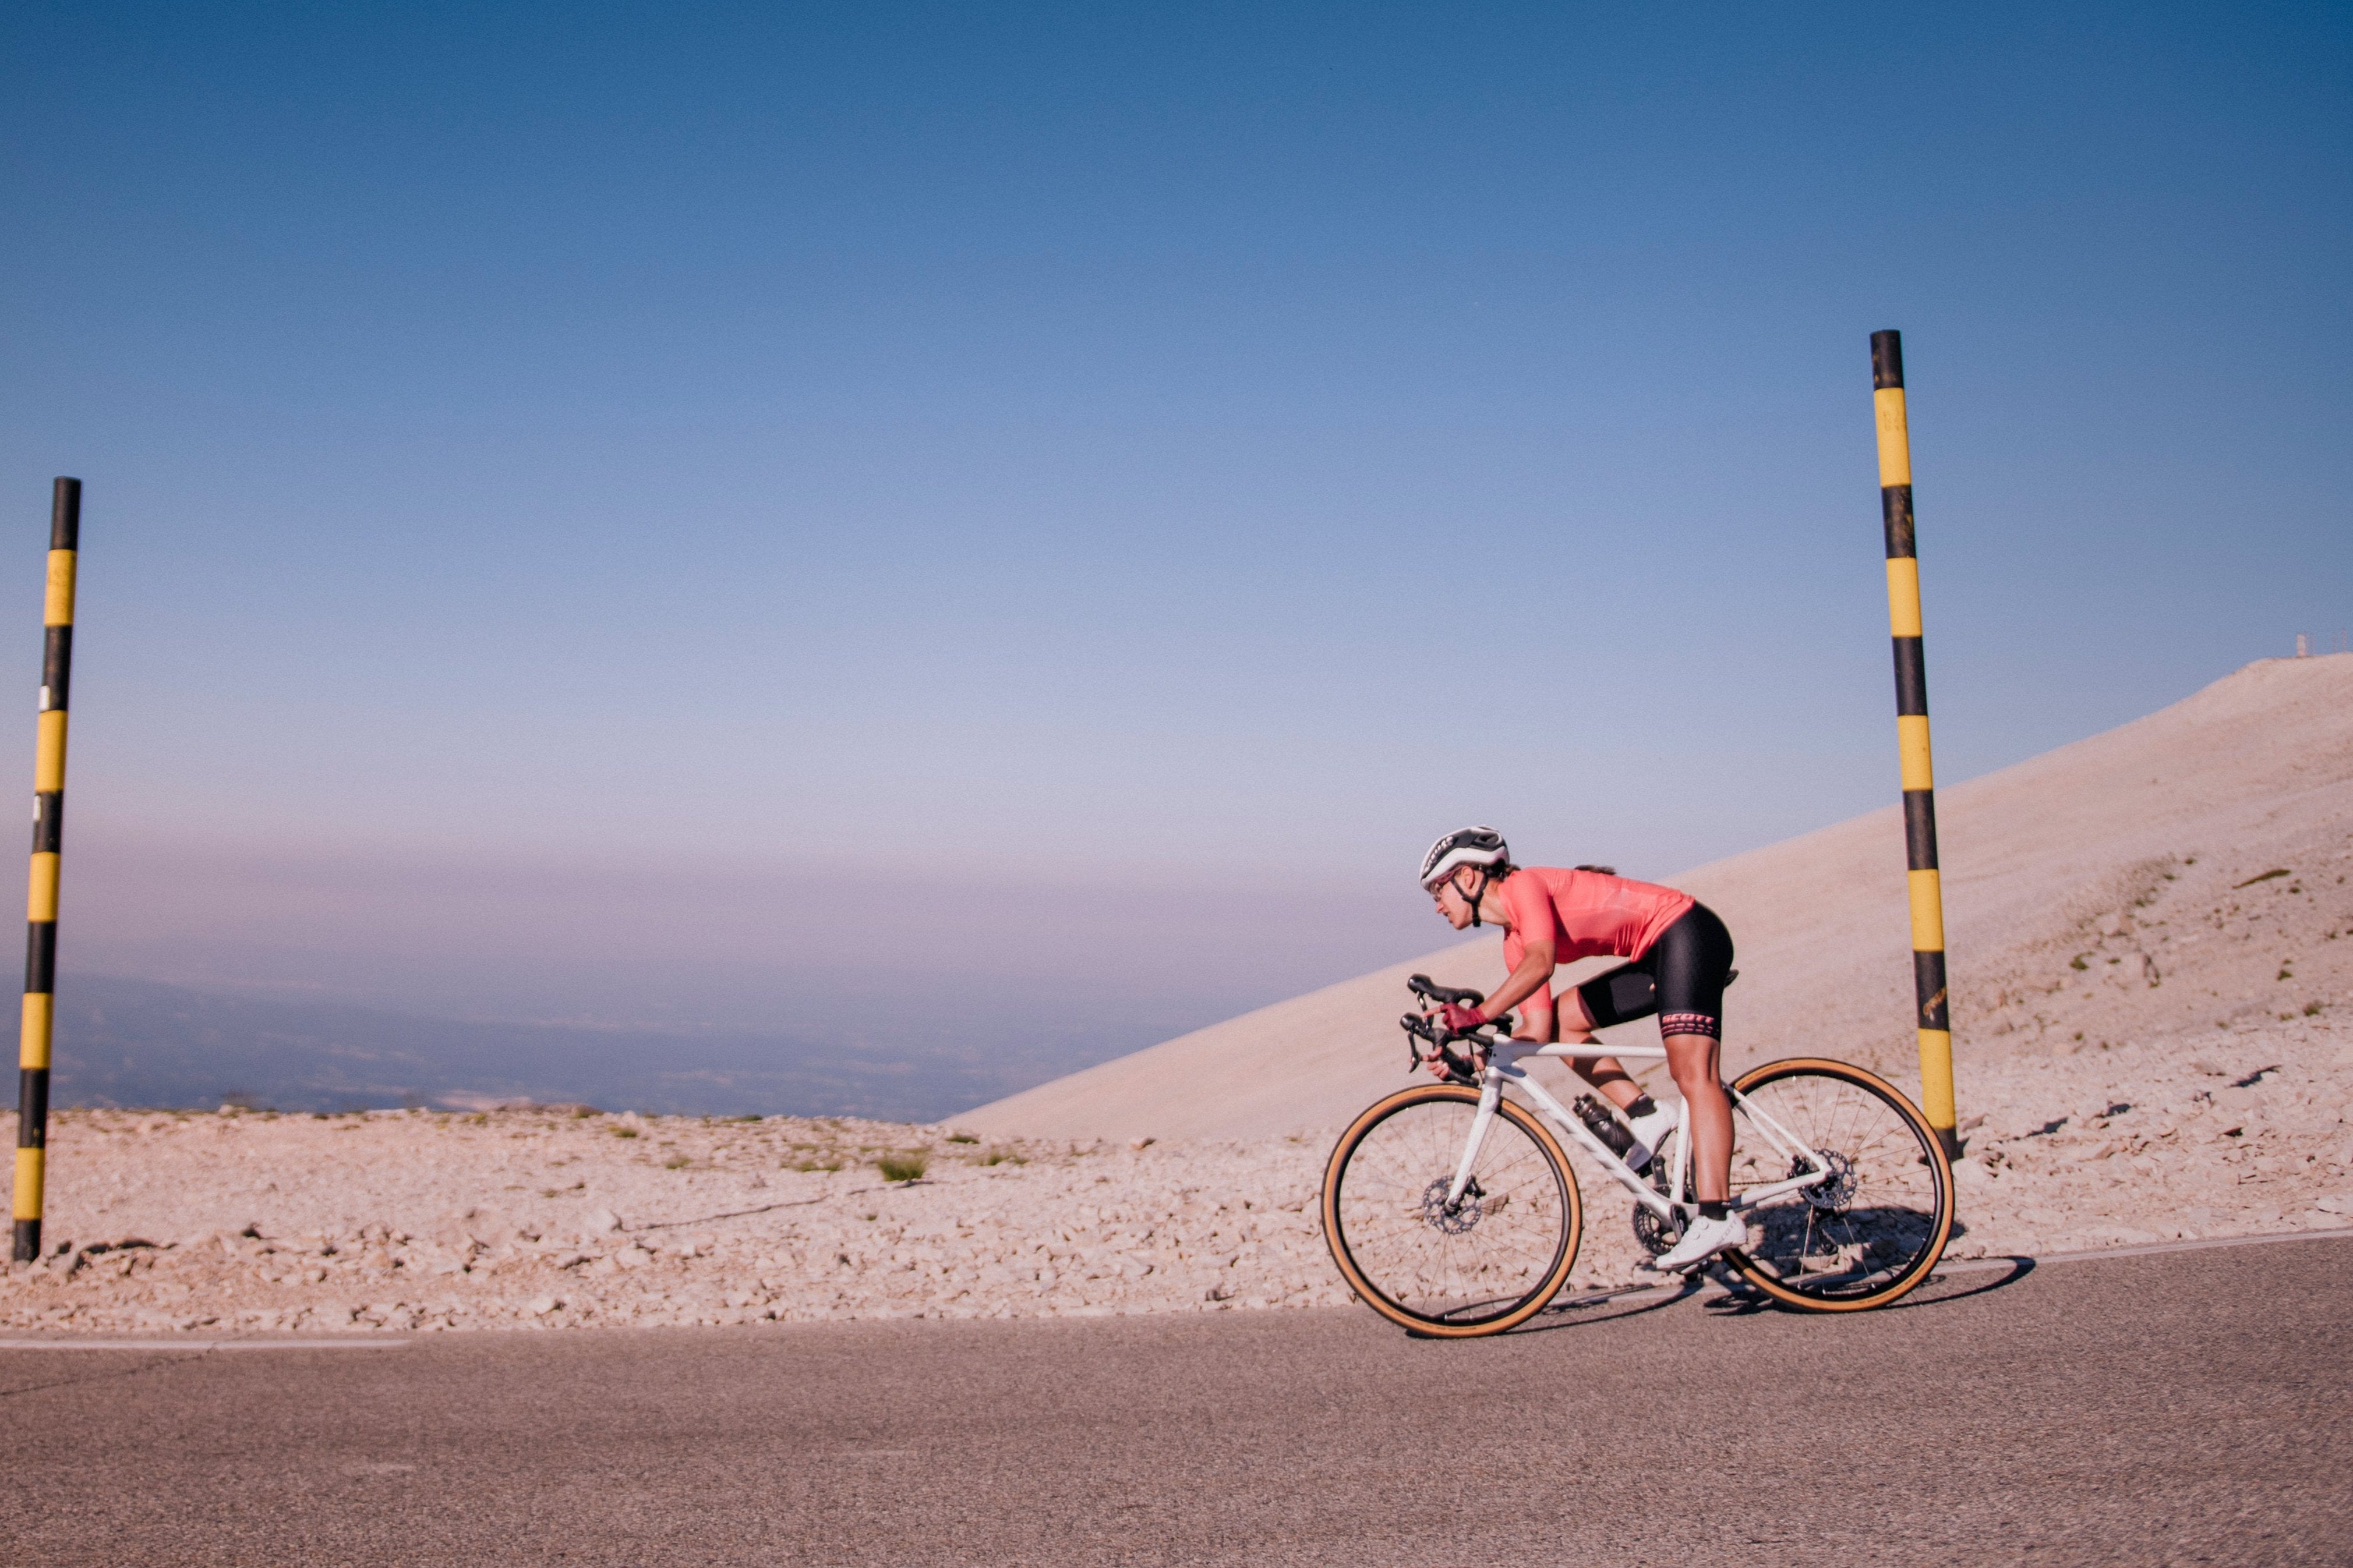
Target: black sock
{"type": "Point", "coordinates": [1708, 1210]}
{"type": "Point", "coordinates": [1643, 1105]}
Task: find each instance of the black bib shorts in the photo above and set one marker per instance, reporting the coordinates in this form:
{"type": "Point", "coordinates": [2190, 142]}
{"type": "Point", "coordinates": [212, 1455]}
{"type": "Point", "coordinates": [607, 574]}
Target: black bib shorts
{"type": "Point", "coordinates": [1682, 979]}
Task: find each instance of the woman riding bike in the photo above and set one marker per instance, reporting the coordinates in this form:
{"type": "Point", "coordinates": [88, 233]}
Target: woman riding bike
{"type": "Point", "coordinates": [1681, 958]}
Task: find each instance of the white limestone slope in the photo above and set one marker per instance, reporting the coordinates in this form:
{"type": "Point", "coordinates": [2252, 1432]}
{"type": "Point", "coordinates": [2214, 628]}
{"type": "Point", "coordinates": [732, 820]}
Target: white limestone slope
{"type": "Point", "coordinates": [2092, 898]}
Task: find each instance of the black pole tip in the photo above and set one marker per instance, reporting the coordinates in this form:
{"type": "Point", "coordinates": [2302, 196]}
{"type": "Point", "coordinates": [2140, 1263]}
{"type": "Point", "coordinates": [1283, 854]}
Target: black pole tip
{"type": "Point", "coordinates": [65, 514]}
{"type": "Point", "coordinates": [1886, 360]}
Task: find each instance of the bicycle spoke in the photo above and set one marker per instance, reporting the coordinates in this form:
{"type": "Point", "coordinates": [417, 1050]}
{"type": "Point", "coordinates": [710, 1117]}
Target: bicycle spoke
{"type": "Point", "coordinates": [1480, 1259]}
{"type": "Point", "coordinates": [1874, 1223]}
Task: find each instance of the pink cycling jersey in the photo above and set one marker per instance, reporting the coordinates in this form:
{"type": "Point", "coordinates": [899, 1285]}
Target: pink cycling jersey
{"type": "Point", "coordinates": [1586, 913]}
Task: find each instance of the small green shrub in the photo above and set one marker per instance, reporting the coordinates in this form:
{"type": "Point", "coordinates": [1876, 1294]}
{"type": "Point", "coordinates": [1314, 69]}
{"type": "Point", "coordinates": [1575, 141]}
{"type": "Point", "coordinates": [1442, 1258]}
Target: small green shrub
{"type": "Point", "coordinates": [676, 1162]}
{"type": "Point", "coordinates": [999, 1157]}
{"type": "Point", "coordinates": [961, 1138]}
{"type": "Point", "coordinates": [625, 1132]}
{"type": "Point", "coordinates": [901, 1167]}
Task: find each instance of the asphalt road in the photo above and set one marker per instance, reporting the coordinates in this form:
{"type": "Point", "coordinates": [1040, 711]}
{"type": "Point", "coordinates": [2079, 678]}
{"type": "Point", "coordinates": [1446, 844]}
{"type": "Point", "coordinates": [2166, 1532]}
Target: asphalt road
{"type": "Point", "coordinates": [2188, 1407]}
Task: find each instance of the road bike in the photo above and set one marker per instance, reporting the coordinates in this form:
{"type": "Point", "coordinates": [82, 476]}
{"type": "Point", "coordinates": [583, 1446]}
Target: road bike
{"type": "Point", "coordinates": [1451, 1209]}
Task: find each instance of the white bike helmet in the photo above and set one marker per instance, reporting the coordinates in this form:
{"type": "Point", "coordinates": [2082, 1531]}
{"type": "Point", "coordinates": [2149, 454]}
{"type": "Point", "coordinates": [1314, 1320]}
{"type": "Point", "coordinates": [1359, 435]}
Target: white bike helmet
{"type": "Point", "coordinates": [1464, 846]}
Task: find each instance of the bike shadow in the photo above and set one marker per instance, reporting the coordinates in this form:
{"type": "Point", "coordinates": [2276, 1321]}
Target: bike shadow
{"type": "Point", "coordinates": [1594, 1308]}
{"type": "Point", "coordinates": [1741, 1301]}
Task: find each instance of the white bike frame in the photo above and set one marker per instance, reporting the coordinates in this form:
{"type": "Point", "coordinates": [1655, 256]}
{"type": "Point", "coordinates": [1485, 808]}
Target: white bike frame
{"type": "Point", "coordinates": [1503, 1058]}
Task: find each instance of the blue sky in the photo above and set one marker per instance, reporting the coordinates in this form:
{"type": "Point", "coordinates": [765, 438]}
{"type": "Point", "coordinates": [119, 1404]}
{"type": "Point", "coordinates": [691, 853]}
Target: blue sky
{"type": "Point", "coordinates": [968, 516]}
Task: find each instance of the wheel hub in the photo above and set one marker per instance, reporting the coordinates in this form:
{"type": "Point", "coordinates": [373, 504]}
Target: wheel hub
{"type": "Point", "coordinates": [1833, 1191]}
{"type": "Point", "coordinates": [1457, 1219]}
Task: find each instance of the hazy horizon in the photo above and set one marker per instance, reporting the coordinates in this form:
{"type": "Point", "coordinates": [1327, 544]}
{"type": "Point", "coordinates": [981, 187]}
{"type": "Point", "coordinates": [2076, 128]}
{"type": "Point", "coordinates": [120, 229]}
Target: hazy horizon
{"type": "Point", "coordinates": [1015, 529]}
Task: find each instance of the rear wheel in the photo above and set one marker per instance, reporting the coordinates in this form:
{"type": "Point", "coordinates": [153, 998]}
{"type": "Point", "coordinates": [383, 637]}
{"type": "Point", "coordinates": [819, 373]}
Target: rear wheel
{"type": "Point", "coordinates": [1875, 1229]}
{"type": "Point", "coordinates": [1487, 1264]}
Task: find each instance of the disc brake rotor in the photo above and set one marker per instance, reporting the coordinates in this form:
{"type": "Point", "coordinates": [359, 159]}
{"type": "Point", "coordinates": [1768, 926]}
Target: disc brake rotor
{"type": "Point", "coordinates": [1835, 1191]}
{"type": "Point", "coordinates": [1453, 1221]}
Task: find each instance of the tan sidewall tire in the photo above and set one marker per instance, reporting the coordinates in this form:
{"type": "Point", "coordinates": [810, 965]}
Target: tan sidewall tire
{"type": "Point", "coordinates": [1938, 1163]}
{"type": "Point", "coordinates": [1572, 1208]}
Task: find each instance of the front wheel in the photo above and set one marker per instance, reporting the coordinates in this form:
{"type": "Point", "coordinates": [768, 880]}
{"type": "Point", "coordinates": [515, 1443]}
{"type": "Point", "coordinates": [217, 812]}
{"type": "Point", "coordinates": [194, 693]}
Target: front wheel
{"type": "Point", "coordinates": [1488, 1263]}
{"type": "Point", "coordinates": [1875, 1228]}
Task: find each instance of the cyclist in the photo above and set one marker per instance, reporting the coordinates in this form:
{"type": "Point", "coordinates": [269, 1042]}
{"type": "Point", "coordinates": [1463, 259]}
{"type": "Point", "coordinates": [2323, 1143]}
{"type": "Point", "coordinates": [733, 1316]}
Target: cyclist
{"type": "Point", "coordinates": [1682, 957]}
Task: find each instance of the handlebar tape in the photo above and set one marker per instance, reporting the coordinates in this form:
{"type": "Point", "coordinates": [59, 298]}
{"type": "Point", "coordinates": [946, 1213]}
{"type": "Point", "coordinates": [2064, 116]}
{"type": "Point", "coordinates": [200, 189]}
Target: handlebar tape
{"type": "Point", "coordinates": [1423, 986]}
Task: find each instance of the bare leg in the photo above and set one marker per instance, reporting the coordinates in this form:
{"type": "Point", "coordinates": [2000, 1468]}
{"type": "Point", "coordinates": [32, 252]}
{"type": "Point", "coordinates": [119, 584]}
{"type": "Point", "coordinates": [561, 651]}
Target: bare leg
{"type": "Point", "coordinates": [1693, 1058]}
{"type": "Point", "coordinates": [1607, 1074]}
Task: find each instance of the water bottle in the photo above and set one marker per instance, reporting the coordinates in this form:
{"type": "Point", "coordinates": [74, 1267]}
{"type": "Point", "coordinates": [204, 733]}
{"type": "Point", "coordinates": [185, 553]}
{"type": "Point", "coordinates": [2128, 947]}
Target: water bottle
{"type": "Point", "coordinates": [1614, 1135]}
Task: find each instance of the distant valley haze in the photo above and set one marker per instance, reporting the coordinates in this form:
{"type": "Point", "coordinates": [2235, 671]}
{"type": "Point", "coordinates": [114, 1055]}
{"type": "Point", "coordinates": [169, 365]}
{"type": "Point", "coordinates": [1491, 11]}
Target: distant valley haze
{"type": "Point", "coordinates": [780, 557]}
{"type": "Point", "coordinates": [133, 1043]}
{"type": "Point", "coordinates": [332, 984]}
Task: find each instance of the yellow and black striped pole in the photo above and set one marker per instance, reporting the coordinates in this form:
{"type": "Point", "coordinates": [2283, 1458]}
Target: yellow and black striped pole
{"type": "Point", "coordinates": [1935, 1016]}
{"type": "Point", "coordinates": [41, 900]}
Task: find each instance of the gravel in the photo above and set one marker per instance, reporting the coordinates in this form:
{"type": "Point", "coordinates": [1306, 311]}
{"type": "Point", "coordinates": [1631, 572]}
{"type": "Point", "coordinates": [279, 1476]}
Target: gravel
{"type": "Point", "coordinates": [534, 1219]}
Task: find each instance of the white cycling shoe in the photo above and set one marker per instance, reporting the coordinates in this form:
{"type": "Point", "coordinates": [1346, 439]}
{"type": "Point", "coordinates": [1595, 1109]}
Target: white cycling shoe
{"type": "Point", "coordinates": [1650, 1132]}
{"type": "Point", "coordinates": [1703, 1240]}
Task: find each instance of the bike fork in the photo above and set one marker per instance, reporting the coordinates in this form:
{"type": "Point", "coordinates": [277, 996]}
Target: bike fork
{"type": "Point", "coordinates": [1491, 1094]}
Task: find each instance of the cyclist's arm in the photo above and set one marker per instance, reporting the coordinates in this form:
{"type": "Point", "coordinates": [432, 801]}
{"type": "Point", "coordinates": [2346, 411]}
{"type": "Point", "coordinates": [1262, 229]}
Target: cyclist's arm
{"type": "Point", "coordinates": [1530, 978]}
{"type": "Point", "coordinates": [1536, 1018]}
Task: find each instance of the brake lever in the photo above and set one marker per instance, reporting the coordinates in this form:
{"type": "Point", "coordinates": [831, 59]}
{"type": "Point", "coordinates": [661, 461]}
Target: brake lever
{"type": "Point", "coordinates": [1412, 1024]}
{"type": "Point", "coordinates": [1438, 1033]}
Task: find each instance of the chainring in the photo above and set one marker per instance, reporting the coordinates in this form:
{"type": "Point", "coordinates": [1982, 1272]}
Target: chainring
{"type": "Point", "coordinates": [1656, 1233]}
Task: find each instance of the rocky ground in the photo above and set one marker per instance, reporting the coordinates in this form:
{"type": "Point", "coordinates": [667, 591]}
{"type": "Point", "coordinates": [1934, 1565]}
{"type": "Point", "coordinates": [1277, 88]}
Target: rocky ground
{"type": "Point", "coordinates": [2227, 1131]}
{"type": "Point", "coordinates": [548, 1218]}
